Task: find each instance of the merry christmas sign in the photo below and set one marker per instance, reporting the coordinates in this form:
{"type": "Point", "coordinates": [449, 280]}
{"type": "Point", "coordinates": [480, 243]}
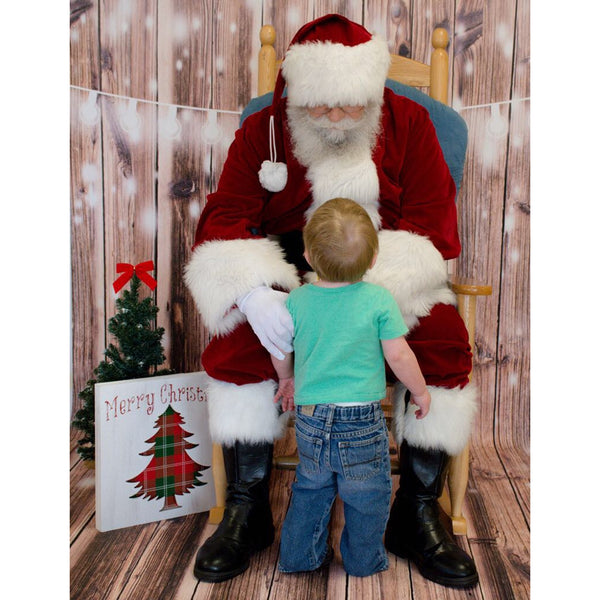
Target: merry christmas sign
{"type": "Point", "coordinates": [153, 450]}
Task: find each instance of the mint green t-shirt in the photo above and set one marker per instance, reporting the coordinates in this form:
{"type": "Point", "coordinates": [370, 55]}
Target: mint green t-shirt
{"type": "Point", "coordinates": [337, 349]}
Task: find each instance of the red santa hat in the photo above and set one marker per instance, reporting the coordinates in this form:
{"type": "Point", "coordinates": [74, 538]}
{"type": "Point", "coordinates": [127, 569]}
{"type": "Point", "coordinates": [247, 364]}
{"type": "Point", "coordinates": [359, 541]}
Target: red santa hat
{"type": "Point", "coordinates": [331, 61]}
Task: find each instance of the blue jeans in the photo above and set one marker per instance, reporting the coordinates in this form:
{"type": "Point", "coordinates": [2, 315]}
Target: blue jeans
{"type": "Point", "coordinates": [343, 450]}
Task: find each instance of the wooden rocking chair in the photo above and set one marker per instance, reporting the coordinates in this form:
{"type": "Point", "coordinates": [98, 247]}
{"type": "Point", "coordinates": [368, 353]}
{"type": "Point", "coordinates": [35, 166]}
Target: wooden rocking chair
{"type": "Point", "coordinates": [434, 77]}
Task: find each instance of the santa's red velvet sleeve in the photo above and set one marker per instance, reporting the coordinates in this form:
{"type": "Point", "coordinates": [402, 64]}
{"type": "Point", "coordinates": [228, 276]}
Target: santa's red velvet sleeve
{"type": "Point", "coordinates": [231, 256]}
{"type": "Point", "coordinates": [418, 210]}
{"type": "Point", "coordinates": [428, 199]}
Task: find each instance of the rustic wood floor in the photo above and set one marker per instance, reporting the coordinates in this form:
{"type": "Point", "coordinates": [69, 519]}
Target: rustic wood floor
{"type": "Point", "coordinates": [154, 561]}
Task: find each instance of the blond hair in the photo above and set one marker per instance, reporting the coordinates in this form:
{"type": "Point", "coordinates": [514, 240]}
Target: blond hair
{"type": "Point", "coordinates": [341, 240]}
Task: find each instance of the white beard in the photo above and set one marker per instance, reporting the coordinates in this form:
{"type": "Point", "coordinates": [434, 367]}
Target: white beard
{"type": "Point", "coordinates": [338, 157]}
{"type": "Point", "coordinates": [316, 139]}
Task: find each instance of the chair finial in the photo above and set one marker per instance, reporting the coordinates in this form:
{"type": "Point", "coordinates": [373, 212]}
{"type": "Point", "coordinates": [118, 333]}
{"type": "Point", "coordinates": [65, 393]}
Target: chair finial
{"type": "Point", "coordinates": [267, 35]}
{"type": "Point", "coordinates": [439, 38]}
{"type": "Point", "coordinates": [267, 70]}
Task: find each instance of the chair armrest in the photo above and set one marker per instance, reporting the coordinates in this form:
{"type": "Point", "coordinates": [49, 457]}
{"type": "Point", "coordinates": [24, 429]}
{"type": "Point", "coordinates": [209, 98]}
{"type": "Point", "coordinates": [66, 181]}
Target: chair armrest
{"type": "Point", "coordinates": [467, 291]}
{"type": "Point", "coordinates": [469, 287]}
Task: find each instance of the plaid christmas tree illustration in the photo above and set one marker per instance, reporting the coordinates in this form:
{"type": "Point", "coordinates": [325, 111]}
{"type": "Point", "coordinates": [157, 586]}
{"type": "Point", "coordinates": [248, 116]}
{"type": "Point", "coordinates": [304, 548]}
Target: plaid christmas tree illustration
{"type": "Point", "coordinates": [171, 471]}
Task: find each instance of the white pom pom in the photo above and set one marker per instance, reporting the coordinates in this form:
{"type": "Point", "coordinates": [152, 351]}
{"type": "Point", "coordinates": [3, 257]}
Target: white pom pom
{"type": "Point", "coordinates": [273, 175]}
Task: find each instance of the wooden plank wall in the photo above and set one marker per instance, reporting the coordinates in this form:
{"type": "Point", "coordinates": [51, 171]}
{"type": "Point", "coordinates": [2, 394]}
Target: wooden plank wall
{"type": "Point", "coordinates": [156, 90]}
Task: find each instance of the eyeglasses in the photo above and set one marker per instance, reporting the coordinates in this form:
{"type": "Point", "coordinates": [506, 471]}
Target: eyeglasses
{"type": "Point", "coordinates": [321, 110]}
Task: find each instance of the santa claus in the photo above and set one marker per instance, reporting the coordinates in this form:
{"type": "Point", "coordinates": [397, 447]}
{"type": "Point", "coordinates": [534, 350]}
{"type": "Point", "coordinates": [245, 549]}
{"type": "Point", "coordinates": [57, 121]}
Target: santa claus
{"type": "Point", "coordinates": [337, 132]}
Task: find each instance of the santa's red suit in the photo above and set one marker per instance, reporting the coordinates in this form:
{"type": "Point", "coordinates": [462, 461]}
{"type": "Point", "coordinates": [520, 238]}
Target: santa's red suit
{"type": "Point", "coordinates": [249, 236]}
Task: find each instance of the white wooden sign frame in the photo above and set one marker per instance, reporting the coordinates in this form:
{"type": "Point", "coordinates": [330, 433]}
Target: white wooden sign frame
{"type": "Point", "coordinates": [131, 419]}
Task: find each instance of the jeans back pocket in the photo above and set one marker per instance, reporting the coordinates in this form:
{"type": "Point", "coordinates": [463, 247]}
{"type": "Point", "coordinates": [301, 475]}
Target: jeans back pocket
{"type": "Point", "coordinates": [309, 451]}
{"type": "Point", "coordinates": [362, 459]}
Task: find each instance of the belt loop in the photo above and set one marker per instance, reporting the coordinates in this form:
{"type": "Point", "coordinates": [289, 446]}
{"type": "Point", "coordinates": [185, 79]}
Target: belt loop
{"type": "Point", "coordinates": [330, 413]}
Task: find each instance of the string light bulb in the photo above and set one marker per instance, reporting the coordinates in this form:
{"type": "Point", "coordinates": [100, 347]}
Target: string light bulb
{"type": "Point", "coordinates": [211, 132]}
{"type": "Point", "coordinates": [497, 126]}
{"type": "Point", "coordinates": [89, 113]}
{"type": "Point", "coordinates": [170, 127]}
{"type": "Point", "coordinates": [131, 121]}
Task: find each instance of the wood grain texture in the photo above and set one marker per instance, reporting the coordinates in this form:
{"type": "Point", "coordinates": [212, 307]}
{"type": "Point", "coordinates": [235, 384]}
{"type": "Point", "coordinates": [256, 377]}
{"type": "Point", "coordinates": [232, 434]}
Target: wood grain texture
{"type": "Point", "coordinates": [128, 51]}
{"type": "Point", "coordinates": [86, 198]}
{"type": "Point", "coordinates": [165, 560]}
{"type": "Point", "coordinates": [83, 501]}
{"type": "Point", "coordinates": [129, 191]}
{"type": "Point", "coordinates": [483, 51]}
{"type": "Point", "coordinates": [391, 20]}
{"type": "Point", "coordinates": [512, 419]}
{"type": "Point", "coordinates": [85, 45]}
{"type": "Point", "coordinates": [128, 32]}
{"type": "Point", "coordinates": [287, 16]}
{"type": "Point", "coordinates": [499, 526]}
{"type": "Point", "coordinates": [516, 463]}
{"type": "Point", "coordinates": [87, 241]}
{"type": "Point", "coordinates": [183, 178]}
{"type": "Point", "coordinates": [105, 563]}
{"type": "Point", "coordinates": [235, 53]}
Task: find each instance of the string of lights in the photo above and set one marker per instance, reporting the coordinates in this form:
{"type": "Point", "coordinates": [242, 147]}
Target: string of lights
{"type": "Point", "coordinates": [89, 114]}
{"type": "Point", "coordinates": [155, 102]}
{"type": "Point", "coordinates": [95, 93]}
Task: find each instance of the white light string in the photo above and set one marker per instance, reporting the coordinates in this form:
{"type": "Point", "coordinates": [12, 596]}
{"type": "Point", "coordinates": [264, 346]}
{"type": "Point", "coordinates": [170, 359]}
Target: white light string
{"type": "Point", "coordinates": [89, 114]}
{"type": "Point", "coordinates": [95, 93]}
{"type": "Point", "coordinates": [497, 126]}
{"type": "Point", "coordinates": [491, 104]}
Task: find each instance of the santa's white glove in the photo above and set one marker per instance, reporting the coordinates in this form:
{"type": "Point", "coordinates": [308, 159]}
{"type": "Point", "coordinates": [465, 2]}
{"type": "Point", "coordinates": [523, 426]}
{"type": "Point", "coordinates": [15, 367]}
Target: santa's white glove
{"type": "Point", "coordinates": [269, 318]}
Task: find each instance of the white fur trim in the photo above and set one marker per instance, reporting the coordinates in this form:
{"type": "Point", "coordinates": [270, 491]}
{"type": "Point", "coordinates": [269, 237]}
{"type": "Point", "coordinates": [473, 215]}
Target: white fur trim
{"type": "Point", "coordinates": [335, 74]}
{"type": "Point", "coordinates": [244, 413]}
{"type": "Point", "coordinates": [346, 177]}
{"type": "Point", "coordinates": [446, 427]}
{"type": "Point", "coordinates": [221, 271]}
{"type": "Point", "coordinates": [273, 175]}
{"type": "Point", "coordinates": [414, 271]}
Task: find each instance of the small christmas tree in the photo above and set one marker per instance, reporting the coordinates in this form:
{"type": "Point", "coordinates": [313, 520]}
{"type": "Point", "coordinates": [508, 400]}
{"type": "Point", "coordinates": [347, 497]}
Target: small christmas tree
{"type": "Point", "coordinates": [138, 355]}
{"type": "Point", "coordinates": [171, 471]}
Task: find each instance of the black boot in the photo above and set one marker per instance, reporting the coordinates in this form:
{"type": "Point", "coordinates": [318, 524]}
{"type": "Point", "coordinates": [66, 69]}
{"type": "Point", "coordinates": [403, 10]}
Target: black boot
{"type": "Point", "coordinates": [247, 524]}
{"type": "Point", "coordinates": [414, 529]}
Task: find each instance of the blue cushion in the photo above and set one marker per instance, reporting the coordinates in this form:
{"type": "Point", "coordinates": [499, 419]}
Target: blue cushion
{"type": "Point", "coordinates": [450, 127]}
{"type": "Point", "coordinates": [255, 105]}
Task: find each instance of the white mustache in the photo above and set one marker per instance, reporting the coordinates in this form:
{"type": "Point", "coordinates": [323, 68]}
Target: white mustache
{"type": "Point", "coordinates": [345, 124]}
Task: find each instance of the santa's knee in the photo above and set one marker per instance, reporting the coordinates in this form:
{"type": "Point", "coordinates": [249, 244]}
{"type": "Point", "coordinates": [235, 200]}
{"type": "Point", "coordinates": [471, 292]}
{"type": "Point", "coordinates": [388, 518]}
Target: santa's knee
{"type": "Point", "coordinates": [244, 413]}
{"type": "Point", "coordinates": [448, 423]}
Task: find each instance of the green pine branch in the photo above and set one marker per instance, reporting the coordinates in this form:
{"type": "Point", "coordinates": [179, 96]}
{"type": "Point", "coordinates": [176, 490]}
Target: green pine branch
{"type": "Point", "coordinates": [138, 354]}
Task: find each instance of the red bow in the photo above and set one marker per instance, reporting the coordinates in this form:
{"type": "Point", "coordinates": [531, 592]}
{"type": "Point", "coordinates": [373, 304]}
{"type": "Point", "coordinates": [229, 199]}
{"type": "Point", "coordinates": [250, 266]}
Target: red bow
{"type": "Point", "coordinates": [141, 270]}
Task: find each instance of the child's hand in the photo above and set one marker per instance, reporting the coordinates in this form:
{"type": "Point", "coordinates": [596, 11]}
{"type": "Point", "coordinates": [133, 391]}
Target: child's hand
{"type": "Point", "coordinates": [422, 401]}
{"type": "Point", "coordinates": [285, 393]}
